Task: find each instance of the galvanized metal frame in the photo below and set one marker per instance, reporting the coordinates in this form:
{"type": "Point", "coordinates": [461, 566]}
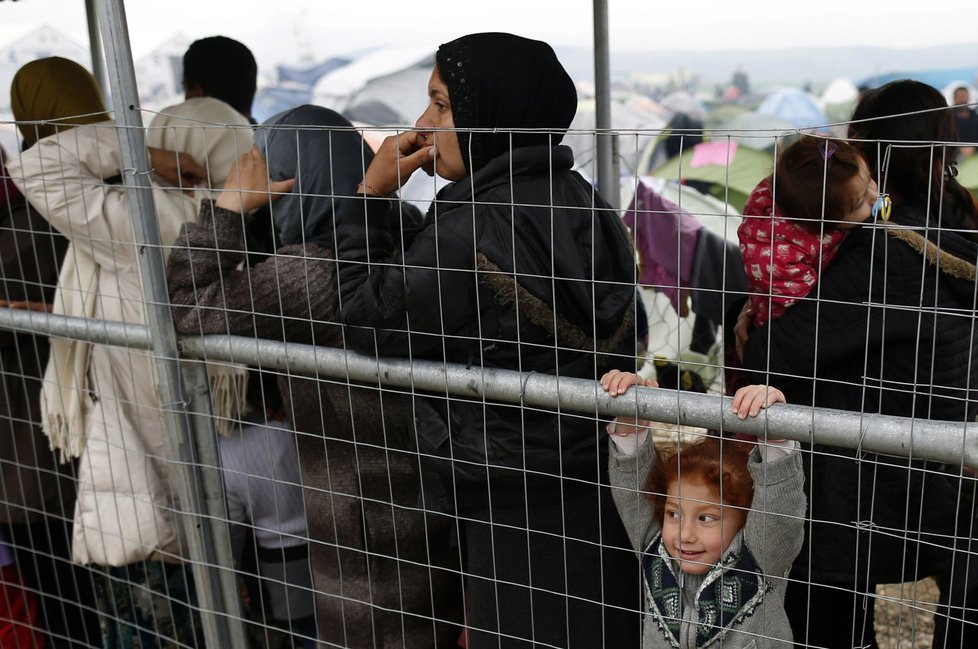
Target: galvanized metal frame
{"type": "Point", "coordinates": [953, 443]}
{"type": "Point", "coordinates": [184, 388]}
{"type": "Point", "coordinates": [607, 142]}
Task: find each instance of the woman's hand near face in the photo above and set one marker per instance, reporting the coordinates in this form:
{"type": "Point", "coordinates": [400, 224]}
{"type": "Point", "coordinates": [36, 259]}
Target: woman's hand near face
{"type": "Point", "coordinates": [397, 159]}
{"type": "Point", "coordinates": [248, 188]}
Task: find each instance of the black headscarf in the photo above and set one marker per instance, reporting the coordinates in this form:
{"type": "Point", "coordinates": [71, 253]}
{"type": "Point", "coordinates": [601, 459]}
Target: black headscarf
{"type": "Point", "coordinates": [319, 148]}
{"type": "Point", "coordinates": [509, 82]}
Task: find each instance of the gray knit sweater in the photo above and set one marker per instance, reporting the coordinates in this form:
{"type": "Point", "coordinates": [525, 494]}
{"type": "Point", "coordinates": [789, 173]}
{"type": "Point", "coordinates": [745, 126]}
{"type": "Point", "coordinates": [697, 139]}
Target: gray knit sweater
{"type": "Point", "coordinates": [382, 568]}
{"type": "Point", "coordinates": [739, 604]}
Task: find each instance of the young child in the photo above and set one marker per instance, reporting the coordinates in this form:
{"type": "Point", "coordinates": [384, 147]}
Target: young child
{"type": "Point", "coordinates": [823, 189]}
{"type": "Point", "coordinates": [264, 493]}
{"type": "Point", "coordinates": [716, 524]}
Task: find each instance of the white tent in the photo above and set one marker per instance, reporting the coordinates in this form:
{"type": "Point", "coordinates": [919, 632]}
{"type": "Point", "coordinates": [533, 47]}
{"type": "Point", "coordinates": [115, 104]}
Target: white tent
{"type": "Point", "coordinates": [160, 73]}
{"type": "Point", "coordinates": [41, 42]}
{"type": "Point", "coordinates": [840, 91]}
{"type": "Point", "coordinates": [402, 93]}
{"type": "Point", "coordinates": [838, 100]}
{"type": "Point", "coordinates": [336, 89]}
{"type": "Point", "coordinates": [630, 115]}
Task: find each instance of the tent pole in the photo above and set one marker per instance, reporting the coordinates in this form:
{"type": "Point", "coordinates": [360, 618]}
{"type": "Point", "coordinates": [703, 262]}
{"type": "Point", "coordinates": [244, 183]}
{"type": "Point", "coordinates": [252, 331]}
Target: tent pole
{"type": "Point", "coordinates": [607, 142]}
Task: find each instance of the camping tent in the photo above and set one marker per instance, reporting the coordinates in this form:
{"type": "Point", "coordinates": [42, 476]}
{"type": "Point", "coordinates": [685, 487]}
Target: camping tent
{"type": "Point", "coordinates": [936, 77]}
{"type": "Point", "coordinates": [756, 130]}
{"type": "Point", "coordinates": [628, 115]}
{"type": "Point", "coordinates": [338, 88]}
{"type": "Point", "coordinates": [839, 99]}
{"type": "Point", "coordinates": [796, 107]}
{"type": "Point", "coordinates": [395, 99]}
{"type": "Point", "coordinates": [680, 101]}
{"type": "Point", "coordinates": [731, 172]}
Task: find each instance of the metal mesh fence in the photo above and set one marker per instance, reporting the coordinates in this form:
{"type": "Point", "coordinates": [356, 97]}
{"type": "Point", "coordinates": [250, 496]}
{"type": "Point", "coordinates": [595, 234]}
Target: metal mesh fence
{"type": "Point", "coordinates": [381, 427]}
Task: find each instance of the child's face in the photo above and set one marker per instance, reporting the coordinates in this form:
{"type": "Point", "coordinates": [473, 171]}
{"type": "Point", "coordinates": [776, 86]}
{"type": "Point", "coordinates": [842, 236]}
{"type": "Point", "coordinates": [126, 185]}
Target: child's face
{"type": "Point", "coordinates": [863, 190]}
{"type": "Point", "coordinates": [697, 528]}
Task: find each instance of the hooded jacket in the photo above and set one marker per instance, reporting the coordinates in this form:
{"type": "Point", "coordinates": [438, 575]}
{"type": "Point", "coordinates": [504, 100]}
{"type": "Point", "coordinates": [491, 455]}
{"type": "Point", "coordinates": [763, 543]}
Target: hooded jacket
{"type": "Point", "coordinates": [519, 266]}
{"type": "Point", "coordinates": [892, 332]}
{"type": "Point", "coordinates": [125, 511]}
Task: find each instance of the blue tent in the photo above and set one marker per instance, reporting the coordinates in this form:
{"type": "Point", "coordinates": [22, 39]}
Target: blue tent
{"type": "Point", "coordinates": [938, 78]}
{"type": "Point", "coordinates": [309, 75]}
{"type": "Point", "coordinates": [796, 107]}
{"type": "Point", "coordinates": [274, 99]}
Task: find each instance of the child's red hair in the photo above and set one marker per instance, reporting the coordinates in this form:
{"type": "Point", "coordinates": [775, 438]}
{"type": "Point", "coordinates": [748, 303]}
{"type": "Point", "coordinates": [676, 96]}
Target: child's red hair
{"type": "Point", "coordinates": [712, 460]}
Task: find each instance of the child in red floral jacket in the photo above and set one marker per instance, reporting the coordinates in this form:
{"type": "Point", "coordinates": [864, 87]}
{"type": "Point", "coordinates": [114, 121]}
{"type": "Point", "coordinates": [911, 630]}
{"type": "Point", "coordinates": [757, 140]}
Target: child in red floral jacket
{"type": "Point", "coordinates": [823, 189]}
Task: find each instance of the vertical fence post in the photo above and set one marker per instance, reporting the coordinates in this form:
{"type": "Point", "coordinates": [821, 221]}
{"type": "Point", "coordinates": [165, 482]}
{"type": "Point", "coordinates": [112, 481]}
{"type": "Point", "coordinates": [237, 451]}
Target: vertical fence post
{"type": "Point", "coordinates": [607, 142]}
{"type": "Point", "coordinates": [184, 390]}
{"type": "Point", "coordinates": [95, 48]}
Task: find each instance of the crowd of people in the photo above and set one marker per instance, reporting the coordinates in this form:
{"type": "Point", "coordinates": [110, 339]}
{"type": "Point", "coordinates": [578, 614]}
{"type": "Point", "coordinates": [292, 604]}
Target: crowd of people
{"type": "Point", "coordinates": [391, 518]}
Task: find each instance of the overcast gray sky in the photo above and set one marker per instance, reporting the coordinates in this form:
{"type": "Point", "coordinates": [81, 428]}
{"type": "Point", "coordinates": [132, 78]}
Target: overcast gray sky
{"type": "Point", "coordinates": [284, 29]}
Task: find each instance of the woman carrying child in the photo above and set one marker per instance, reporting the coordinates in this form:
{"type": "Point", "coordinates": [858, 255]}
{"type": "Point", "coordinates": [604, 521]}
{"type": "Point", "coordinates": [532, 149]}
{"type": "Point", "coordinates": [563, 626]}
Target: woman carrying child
{"type": "Point", "coordinates": [892, 333]}
{"type": "Point", "coordinates": [716, 523]}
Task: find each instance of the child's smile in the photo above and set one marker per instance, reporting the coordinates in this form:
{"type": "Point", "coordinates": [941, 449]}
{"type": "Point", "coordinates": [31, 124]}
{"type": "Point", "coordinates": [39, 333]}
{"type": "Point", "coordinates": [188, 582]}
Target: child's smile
{"type": "Point", "coordinates": [697, 528]}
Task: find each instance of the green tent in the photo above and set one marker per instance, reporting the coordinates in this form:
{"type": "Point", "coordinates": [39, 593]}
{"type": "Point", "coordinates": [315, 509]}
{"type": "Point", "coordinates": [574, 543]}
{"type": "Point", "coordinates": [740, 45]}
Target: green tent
{"type": "Point", "coordinates": [732, 180]}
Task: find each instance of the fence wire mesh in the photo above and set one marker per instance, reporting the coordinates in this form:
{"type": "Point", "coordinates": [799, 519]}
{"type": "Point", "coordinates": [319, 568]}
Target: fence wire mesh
{"type": "Point", "coordinates": [400, 397]}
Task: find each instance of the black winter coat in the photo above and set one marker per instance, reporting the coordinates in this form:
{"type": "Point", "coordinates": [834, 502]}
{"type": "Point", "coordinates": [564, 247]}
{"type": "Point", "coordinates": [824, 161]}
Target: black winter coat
{"type": "Point", "coordinates": [892, 332]}
{"type": "Point", "coordinates": [532, 272]}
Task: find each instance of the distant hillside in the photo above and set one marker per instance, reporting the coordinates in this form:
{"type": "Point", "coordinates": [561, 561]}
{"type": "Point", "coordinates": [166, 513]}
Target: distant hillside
{"type": "Point", "coordinates": [792, 66]}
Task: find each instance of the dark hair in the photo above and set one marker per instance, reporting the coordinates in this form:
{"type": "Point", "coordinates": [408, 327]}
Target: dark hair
{"type": "Point", "coordinates": [715, 461]}
{"type": "Point", "coordinates": [224, 69]}
{"type": "Point", "coordinates": [812, 181]}
{"type": "Point", "coordinates": [908, 111]}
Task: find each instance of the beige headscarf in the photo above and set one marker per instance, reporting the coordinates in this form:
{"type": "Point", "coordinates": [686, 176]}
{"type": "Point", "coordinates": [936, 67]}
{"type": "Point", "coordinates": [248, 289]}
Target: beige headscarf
{"type": "Point", "coordinates": [215, 135]}
{"type": "Point", "coordinates": [51, 94]}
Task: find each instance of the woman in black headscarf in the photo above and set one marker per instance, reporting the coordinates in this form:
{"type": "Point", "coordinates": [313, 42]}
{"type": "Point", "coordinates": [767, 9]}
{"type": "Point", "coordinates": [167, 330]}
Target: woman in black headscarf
{"type": "Point", "coordinates": [382, 571]}
{"type": "Point", "coordinates": [519, 265]}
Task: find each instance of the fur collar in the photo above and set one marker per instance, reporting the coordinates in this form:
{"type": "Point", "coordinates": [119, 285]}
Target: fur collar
{"type": "Point", "coordinates": [509, 292]}
{"type": "Point", "coordinates": [941, 259]}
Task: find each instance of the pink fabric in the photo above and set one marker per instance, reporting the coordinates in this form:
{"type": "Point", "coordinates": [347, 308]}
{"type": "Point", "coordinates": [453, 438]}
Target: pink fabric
{"type": "Point", "coordinates": [665, 237]}
{"type": "Point", "coordinates": [720, 152]}
{"type": "Point", "coordinates": [782, 260]}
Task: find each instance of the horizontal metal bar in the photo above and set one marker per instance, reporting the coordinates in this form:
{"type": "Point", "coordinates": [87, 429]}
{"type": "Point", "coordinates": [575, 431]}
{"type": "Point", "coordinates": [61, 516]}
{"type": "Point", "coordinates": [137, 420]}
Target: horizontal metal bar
{"type": "Point", "coordinates": [941, 441]}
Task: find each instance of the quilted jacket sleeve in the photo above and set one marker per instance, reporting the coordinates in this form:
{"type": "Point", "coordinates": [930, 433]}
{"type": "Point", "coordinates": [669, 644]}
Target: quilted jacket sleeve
{"type": "Point", "coordinates": [62, 176]}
